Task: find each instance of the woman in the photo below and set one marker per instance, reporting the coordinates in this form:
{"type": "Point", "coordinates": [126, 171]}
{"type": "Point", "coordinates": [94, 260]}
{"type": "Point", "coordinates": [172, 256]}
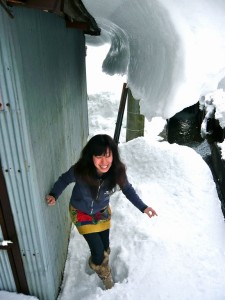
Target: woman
{"type": "Point", "coordinates": [96, 174]}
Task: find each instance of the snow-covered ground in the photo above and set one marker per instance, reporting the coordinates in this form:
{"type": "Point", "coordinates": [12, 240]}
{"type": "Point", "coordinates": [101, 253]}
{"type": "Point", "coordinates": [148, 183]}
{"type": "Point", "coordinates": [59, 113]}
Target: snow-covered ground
{"type": "Point", "coordinates": [178, 255]}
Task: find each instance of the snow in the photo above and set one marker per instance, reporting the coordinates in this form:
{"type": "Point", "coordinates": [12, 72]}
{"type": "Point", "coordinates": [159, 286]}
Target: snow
{"type": "Point", "coordinates": [178, 255]}
{"type": "Point", "coordinates": [14, 296]}
{"type": "Point", "coordinates": [104, 95]}
{"type": "Point", "coordinates": [172, 52]}
{"type": "Point", "coordinates": [214, 106]}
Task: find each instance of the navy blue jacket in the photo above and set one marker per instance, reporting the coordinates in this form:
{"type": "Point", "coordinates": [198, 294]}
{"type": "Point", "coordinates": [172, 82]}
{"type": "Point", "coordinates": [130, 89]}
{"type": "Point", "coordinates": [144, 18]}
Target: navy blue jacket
{"type": "Point", "coordinates": [88, 202]}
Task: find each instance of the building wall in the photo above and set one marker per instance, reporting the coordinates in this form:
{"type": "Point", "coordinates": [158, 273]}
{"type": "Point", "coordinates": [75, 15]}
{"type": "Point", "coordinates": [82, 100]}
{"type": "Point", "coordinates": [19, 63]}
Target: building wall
{"type": "Point", "coordinates": [44, 126]}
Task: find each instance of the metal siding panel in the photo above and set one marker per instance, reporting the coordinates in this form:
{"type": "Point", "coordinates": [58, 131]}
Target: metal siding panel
{"type": "Point", "coordinates": [6, 277]}
{"type": "Point", "coordinates": [16, 167]}
{"type": "Point", "coordinates": [42, 132]}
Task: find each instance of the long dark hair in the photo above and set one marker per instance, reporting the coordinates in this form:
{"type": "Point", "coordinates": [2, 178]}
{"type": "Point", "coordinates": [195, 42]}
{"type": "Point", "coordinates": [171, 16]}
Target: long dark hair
{"type": "Point", "coordinates": [86, 169]}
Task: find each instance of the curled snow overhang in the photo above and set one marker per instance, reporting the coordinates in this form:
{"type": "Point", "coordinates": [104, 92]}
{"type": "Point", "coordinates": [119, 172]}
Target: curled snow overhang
{"type": "Point", "coordinates": [171, 51]}
{"type": "Point", "coordinates": [74, 12]}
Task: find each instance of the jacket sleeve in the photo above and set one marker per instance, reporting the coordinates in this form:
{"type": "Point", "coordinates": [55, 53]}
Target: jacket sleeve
{"type": "Point", "coordinates": [63, 181]}
{"type": "Point", "coordinates": [132, 196]}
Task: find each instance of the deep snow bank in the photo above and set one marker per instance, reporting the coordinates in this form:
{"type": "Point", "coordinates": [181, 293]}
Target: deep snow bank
{"type": "Point", "coordinates": [172, 51]}
{"type": "Point", "coordinates": [177, 255]}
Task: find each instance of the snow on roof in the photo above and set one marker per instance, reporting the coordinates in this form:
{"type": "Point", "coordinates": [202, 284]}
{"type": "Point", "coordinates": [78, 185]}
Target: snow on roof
{"type": "Point", "coordinates": [172, 51]}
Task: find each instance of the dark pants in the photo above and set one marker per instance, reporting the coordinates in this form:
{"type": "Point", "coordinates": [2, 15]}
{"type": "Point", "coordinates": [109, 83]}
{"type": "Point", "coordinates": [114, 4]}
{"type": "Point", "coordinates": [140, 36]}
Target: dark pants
{"type": "Point", "coordinates": [98, 242]}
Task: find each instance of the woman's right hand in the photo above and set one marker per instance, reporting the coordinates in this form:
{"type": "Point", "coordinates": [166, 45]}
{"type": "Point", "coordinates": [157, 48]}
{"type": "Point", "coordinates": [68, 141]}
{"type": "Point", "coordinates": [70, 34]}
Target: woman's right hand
{"type": "Point", "coordinates": [50, 200]}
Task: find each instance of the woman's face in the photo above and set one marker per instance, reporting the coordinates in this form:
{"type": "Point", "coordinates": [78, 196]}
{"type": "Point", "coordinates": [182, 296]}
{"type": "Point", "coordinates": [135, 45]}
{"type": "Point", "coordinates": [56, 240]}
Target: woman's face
{"type": "Point", "coordinates": [103, 162]}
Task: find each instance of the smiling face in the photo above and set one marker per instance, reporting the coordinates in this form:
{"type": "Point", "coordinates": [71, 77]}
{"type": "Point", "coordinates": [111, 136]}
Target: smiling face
{"type": "Point", "coordinates": [103, 162]}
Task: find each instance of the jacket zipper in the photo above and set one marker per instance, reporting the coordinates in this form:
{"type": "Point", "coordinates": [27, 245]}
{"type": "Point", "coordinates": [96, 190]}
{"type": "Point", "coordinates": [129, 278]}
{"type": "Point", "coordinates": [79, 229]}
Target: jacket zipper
{"type": "Point", "coordinates": [99, 187]}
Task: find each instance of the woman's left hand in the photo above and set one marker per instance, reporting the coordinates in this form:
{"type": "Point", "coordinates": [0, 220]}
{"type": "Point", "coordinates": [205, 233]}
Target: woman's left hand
{"type": "Point", "coordinates": [150, 212]}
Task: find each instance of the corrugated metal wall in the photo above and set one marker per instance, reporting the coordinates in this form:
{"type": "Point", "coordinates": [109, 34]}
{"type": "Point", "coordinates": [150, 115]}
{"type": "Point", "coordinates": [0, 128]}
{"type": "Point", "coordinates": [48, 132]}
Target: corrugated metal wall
{"type": "Point", "coordinates": [43, 126]}
{"type": "Point", "coordinates": [6, 275]}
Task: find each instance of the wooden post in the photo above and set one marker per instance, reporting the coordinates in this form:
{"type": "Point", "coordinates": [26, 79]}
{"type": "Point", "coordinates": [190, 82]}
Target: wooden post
{"type": "Point", "coordinates": [135, 121]}
{"type": "Point", "coordinates": [120, 113]}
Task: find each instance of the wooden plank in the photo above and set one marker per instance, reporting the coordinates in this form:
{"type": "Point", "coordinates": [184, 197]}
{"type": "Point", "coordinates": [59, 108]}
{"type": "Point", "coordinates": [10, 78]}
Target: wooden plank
{"type": "Point", "coordinates": [120, 113]}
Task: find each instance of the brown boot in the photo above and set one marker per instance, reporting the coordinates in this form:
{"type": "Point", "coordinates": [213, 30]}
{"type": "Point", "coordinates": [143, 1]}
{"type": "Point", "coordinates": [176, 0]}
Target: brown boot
{"type": "Point", "coordinates": [103, 271]}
